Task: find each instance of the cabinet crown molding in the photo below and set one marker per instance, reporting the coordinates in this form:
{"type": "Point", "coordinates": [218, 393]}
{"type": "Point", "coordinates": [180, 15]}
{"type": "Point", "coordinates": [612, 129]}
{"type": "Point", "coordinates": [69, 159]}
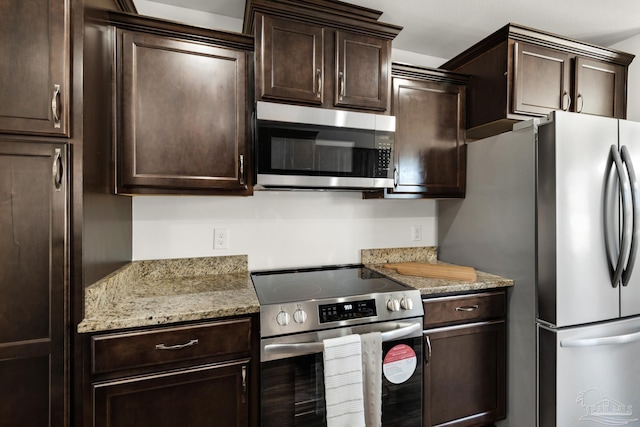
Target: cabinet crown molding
{"type": "Point", "coordinates": [130, 21]}
{"type": "Point", "coordinates": [518, 32]}
{"type": "Point", "coordinates": [328, 13]}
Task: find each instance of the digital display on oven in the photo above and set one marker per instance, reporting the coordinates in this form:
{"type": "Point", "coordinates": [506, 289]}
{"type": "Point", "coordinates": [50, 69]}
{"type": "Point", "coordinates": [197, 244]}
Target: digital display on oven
{"type": "Point", "coordinates": [347, 310]}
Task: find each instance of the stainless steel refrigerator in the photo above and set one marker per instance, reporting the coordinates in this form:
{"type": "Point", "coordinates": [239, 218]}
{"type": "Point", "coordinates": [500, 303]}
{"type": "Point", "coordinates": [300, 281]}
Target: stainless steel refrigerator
{"type": "Point", "coordinates": [554, 205]}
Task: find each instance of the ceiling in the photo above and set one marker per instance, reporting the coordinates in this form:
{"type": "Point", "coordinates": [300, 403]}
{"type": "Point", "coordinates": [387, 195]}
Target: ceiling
{"type": "Point", "coordinates": [444, 28]}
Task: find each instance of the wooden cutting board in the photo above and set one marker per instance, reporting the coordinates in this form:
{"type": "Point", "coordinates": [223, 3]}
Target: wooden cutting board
{"type": "Point", "coordinates": [436, 271]}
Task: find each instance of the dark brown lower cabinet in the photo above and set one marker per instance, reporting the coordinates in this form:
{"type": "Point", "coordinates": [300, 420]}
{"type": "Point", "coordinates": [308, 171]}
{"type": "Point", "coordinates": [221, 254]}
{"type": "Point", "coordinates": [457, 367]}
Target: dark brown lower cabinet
{"type": "Point", "coordinates": [465, 362]}
{"type": "Point", "coordinates": [32, 284]}
{"type": "Point", "coordinates": [195, 375]}
{"type": "Point", "coordinates": [207, 396]}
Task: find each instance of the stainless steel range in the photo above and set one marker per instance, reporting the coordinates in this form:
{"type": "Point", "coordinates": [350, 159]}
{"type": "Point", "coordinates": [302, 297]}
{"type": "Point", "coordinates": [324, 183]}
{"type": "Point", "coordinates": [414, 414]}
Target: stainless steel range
{"type": "Point", "coordinates": [300, 308]}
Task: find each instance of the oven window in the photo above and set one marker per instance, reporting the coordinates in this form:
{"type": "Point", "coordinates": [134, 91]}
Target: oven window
{"type": "Point", "coordinates": [292, 392]}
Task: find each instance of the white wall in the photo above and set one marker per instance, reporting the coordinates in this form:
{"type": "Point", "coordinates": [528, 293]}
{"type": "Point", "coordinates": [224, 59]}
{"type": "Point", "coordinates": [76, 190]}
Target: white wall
{"type": "Point", "coordinates": [278, 229]}
{"type": "Point", "coordinates": [632, 45]}
{"type": "Point", "coordinates": [188, 16]}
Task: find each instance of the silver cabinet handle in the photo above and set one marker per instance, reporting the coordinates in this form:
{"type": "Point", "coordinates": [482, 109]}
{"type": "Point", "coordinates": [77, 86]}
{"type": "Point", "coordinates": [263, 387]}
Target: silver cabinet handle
{"type": "Point", "coordinates": [467, 308]}
{"type": "Point", "coordinates": [566, 99]}
{"type": "Point", "coordinates": [58, 169]}
{"type": "Point", "coordinates": [244, 384]}
{"type": "Point", "coordinates": [241, 169]}
{"type": "Point", "coordinates": [635, 204]}
{"type": "Point", "coordinates": [427, 354]}
{"type": "Point", "coordinates": [580, 102]}
{"type": "Point", "coordinates": [55, 106]}
{"type": "Point", "coordinates": [592, 342]}
{"type": "Point", "coordinates": [177, 346]}
{"type": "Point", "coordinates": [341, 80]}
{"type": "Point", "coordinates": [319, 77]}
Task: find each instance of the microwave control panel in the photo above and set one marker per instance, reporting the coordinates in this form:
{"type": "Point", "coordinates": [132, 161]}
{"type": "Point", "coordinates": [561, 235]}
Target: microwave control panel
{"type": "Point", "coordinates": [384, 148]}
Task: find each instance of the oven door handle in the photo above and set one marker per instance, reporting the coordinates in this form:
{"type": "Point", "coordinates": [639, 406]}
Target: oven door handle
{"type": "Point", "coordinates": [318, 347]}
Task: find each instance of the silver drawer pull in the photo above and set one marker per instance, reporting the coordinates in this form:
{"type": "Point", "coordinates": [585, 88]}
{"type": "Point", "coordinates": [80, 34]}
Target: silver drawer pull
{"type": "Point", "coordinates": [467, 308]}
{"type": "Point", "coordinates": [177, 346]}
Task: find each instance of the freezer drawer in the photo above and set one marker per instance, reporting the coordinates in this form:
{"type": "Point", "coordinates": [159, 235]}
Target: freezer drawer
{"type": "Point", "coordinates": [588, 375]}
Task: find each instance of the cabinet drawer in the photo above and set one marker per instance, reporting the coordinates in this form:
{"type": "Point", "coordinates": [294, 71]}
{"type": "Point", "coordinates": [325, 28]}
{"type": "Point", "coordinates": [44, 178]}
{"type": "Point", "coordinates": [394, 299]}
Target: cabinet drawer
{"type": "Point", "coordinates": [169, 345]}
{"type": "Point", "coordinates": [449, 310]}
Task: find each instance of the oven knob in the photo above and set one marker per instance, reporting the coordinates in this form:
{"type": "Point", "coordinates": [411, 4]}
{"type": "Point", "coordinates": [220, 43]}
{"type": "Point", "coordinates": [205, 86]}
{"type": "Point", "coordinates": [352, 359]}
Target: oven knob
{"type": "Point", "coordinates": [299, 316]}
{"type": "Point", "coordinates": [406, 303]}
{"type": "Point", "coordinates": [393, 305]}
{"type": "Point", "coordinates": [283, 318]}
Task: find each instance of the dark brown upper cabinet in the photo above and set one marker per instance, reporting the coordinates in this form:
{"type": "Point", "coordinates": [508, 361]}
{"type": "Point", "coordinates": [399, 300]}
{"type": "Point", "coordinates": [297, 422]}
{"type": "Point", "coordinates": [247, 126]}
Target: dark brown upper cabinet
{"type": "Point", "coordinates": [321, 53]}
{"type": "Point", "coordinates": [363, 71]}
{"type": "Point", "coordinates": [35, 67]}
{"type": "Point", "coordinates": [292, 64]}
{"type": "Point", "coordinates": [182, 123]}
{"type": "Point", "coordinates": [541, 81]}
{"type": "Point", "coordinates": [519, 73]}
{"type": "Point", "coordinates": [600, 88]}
{"type": "Point", "coordinates": [429, 157]}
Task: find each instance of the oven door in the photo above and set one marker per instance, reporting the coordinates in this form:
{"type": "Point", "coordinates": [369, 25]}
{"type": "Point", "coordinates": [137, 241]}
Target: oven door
{"type": "Point", "coordinates": [292, 376]}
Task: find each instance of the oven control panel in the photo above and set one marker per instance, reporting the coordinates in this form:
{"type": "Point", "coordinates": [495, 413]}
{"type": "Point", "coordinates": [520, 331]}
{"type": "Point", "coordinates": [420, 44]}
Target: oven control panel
{"type": "Point", "coordinates": [347, 310]}
{"type": "Point", "coordinates": [315, 315]}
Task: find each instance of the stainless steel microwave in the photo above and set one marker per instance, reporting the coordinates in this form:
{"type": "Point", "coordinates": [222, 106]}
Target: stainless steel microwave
{"type": "Point", "coordinates": [301, 147]}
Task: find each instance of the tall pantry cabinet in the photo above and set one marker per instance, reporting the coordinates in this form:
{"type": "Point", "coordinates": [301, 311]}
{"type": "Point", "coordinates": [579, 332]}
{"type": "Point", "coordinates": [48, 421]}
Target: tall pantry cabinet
{"type": "Point", "coordinates": [50, 212]}
{"type": "Point", "coordinates": [34, 196]}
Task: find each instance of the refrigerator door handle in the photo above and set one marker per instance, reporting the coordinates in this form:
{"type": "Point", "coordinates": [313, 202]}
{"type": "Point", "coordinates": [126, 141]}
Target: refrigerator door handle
{"type": "Point", "coordinates": [592, 342]}
{"type": "Point", "coordinates": [635, 199]}
{"type": "Point", "coordinates": [627, 213]}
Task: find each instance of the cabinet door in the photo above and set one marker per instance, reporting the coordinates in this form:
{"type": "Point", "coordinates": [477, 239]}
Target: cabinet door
{"type": "Point", "coordinates": [290, 61]}
{"type": "Point", "coordinates": [32, 284]}
{"type": "Point", "coordinates": [33, 79]}
{"type": "Point", "coordinates": [600, 88]}
{"type": "Point", "coordinates": [430, 152]}
{"type": "Point", "coordinates": [541, 80]}
{"type": "Point", "coordinates": [363, 70]}
{"type": "Point", "coordinates": [183, 115]}
{"type": "Point", "coordinates": [208, 396]}
{"type": "Point", "coordinates": [464, 375]}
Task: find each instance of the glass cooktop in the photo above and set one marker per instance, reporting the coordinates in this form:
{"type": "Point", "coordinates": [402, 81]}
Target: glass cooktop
{"type": "Point", "coordinates": [282, 286]}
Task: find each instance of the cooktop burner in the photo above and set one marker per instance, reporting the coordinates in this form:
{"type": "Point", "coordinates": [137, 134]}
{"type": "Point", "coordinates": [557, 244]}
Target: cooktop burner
{"type": "Point", "coordinates": [313, 299]}
{"type": "Point", "coordinates": [281, 286]}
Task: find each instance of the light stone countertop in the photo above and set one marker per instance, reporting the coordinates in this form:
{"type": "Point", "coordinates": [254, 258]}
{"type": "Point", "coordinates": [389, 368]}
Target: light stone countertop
{"type": "Point", "coordinates": [144, 293]}
{"type": "Point", "coordinates": [157, 292]}
{"type": "Point", "coordinates": [376, 258]}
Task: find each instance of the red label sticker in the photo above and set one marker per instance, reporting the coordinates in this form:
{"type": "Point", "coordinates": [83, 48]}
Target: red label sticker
{"type": "Point", "coordinates": [399, 363]}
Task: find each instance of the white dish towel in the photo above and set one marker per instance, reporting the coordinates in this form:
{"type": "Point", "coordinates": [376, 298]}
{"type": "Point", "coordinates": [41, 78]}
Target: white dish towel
{"type": "Point", "coordinates": [372, 378]}
{"type": "Point", "coordinates": [343, 382]}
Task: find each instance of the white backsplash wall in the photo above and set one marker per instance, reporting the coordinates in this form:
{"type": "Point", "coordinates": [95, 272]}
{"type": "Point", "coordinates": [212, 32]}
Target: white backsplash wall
{"type": "Point", "coordinates": [279, 229]}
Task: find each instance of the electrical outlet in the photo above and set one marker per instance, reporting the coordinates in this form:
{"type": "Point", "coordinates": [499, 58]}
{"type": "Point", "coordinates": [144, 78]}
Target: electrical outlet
{"type": "Point", "coordinates": [221, 238]}
{"type": "Point", "coordinates": [416, 233]}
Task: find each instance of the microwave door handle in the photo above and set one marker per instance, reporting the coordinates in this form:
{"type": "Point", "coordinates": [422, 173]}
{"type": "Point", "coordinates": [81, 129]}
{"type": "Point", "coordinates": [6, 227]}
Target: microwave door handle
{"type": "Point", "coordinates": [318, 347]}
{"type": "Point", "coordinates": [635, 203]}
{"type": "Point", "coordinates": [592, 342]}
